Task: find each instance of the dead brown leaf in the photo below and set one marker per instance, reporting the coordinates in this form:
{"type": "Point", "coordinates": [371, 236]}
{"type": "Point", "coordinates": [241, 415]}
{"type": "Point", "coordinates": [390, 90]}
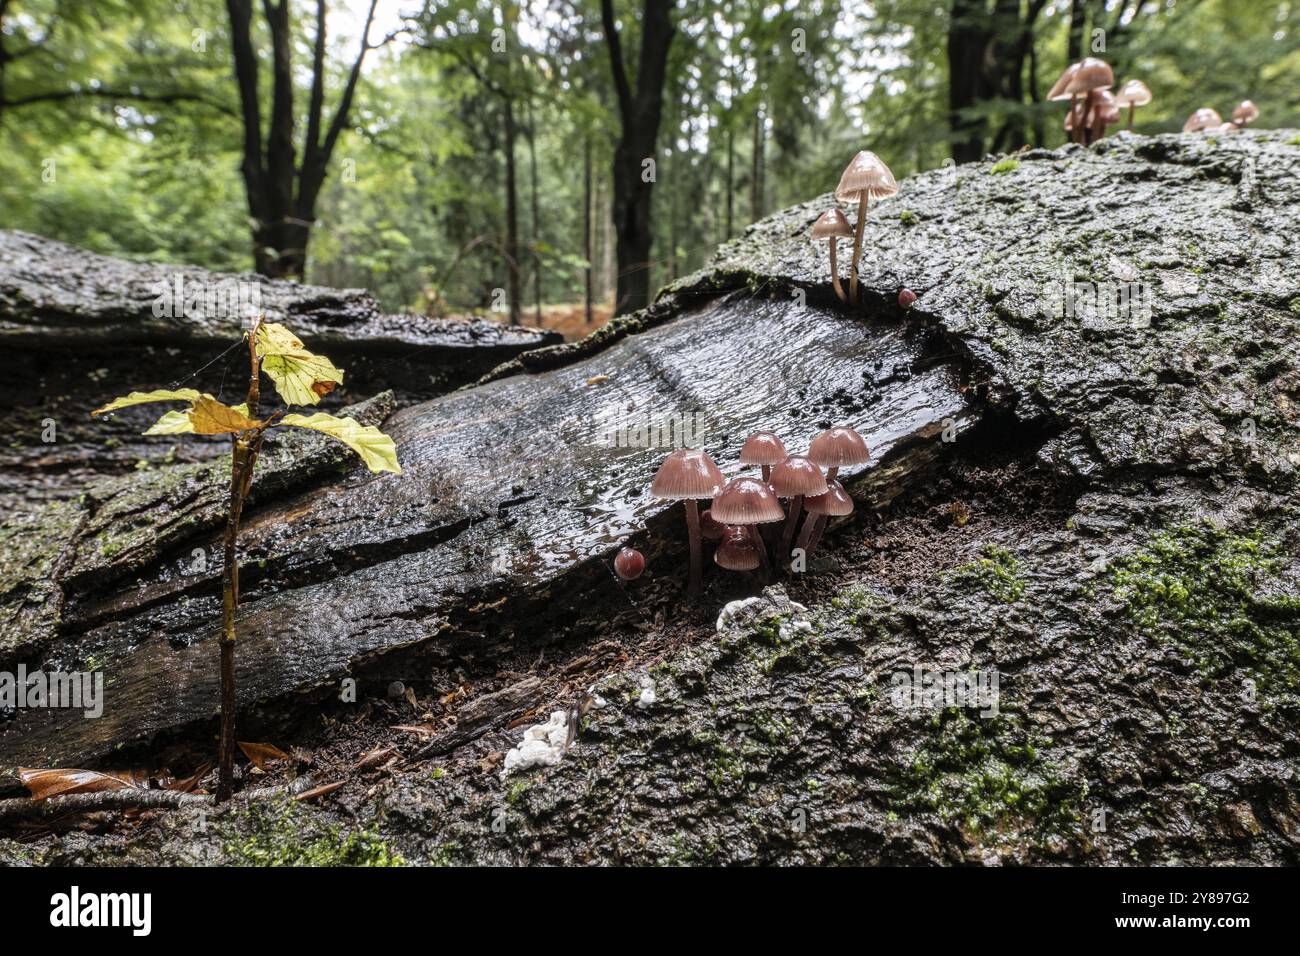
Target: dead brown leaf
{"type": "Point", "coordinates": [374, 758]}
{"type": "Point", "coordinates": [188, 783]}
{"type": "Point", "coordinates": [262, 754]}
{"type": "Point", "coordinates": [320, 791]}
{"type": "Point", "coordinates": [44, 784]}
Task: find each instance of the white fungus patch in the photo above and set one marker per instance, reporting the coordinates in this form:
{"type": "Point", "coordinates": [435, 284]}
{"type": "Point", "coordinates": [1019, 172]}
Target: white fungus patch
{"type": "Point", "coordinates": [543, 745]}
{"type": "Point", "coordinates": [647, 697]}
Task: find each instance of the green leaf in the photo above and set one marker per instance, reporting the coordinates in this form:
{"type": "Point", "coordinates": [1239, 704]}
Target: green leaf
{"type": "Point", "coordinates": [300, 377]}
{"type": "Point", "coordinates": [160, 395]}
{"type": "Point", "coordinates": [375, 448]}
{"type": "Point", "coordinates": [175, 422]}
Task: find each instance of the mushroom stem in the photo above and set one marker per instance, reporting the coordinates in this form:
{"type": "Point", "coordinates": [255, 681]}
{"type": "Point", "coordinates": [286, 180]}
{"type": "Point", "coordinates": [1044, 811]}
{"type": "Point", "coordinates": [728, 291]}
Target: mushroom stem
{"type": "Point", "coordinates": [839, 291]}
{"type": "Point", "coordinates": [809, 535]}
{"type": "Point", "coordinates": [832, 472]}
{"type": "Point", "coordinates": [816, 539]}
{"type": "Point", "coordinates": [857, 245]}
{"type": "Point", "coordinates": [767, 470]}
{"type": "Point", "coordinates": [787, 535]}
{"type": "Point", "coordinates": [765, 566]}
{"type": "Point", "coordinates": [693, 535]}
{"type": "Point", "coordinates": [1132, 108]}
{"type": "Point", "coordinates": [1074, 117]}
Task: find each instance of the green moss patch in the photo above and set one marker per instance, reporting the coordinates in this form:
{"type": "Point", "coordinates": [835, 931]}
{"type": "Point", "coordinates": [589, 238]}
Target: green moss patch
{"type": "Point", "coordinates": [1218, 598]}
{"type": "Point", "coordinates": [285, 836]}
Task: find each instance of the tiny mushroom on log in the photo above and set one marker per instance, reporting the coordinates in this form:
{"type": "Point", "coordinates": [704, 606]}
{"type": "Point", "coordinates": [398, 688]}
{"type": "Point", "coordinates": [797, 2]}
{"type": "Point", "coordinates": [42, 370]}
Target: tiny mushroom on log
{"type": "Point", "coordinates": [794, 478]}
{"type": "Point", "coordinates": [1203, 119]}
{"type": "Point", "coordinates": [838, 447]}
{"type": "Point", "coordinates": [738, 552]}
{"type": "Point", "coordinates": [748, 502]}
{"type": "Point", "coordinates": [1133, 93]}
{"type": "Point", "coordinates": [1092, 76]}
{"type": "Point", "coordinates": [1245, 113]}
{"type": "Point", "coordinates": [835, 503]}
{"type": "Point", "coordinates": [865, 178]}
{"type": "Point", "coordinates": [629, 564]}
{"type": "Point", "coordinates": [690, 475]}
{"type": "Point", "coordinates": [765, 449]}
{"type": "Point", "coordinates": [906, 298]}
{"type": "Point", "coordinates": [833, 226]}
{"type": "Point", "coordinates": [710, 529]}
{"type": "Point", "coordinates": [1061, 91]}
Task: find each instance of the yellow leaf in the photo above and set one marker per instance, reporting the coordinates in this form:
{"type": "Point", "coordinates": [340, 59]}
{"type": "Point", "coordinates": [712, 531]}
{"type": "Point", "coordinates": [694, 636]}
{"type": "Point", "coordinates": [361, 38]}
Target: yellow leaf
{"type": "Point", "coordinates": [161, 395]}
{"type": "Point", "coordinates": [300, 377]}
{"type": "Point", "coordinates": [375, 448]}
{"type": "Point", "coordinates": [206, 416]}
{"type": "Point", "coordinates": [210, 417]}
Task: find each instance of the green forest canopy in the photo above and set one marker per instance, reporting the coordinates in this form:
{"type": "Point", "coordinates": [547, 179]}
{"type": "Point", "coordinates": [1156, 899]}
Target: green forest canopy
{"type": "Point", "coordinates": [123, 129]}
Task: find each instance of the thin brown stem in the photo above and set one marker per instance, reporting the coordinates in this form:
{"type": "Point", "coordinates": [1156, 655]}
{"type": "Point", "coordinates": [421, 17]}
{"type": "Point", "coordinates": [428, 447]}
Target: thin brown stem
{"type": "Point", "coordinates": [787, 534]}
{"type": "Point", "coordinates": [807, 535]}
{"type": "Point", "coordinates": [765, 566]}
{"type": "Point", "coordinates": [694, 585]}
{"type": "Point", "coordinates": [835, 272]}
{"type": "Point", "coordinates": [243, 459]}
{"type": "Point", "coordinates": [857, 245]}
{"type": "Point", "coordinates": [1132, 107]}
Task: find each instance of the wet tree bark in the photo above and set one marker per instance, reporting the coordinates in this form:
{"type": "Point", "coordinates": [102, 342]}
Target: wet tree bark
{"type": "Point", "coordinates": [639, 115]}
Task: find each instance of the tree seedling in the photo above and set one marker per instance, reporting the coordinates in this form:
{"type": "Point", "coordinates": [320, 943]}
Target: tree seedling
{"type": "Point", "coordinates": [300, 378]}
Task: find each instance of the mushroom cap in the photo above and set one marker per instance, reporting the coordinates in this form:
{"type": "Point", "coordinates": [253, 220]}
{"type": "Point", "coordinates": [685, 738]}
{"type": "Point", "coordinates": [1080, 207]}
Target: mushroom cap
{"type": "Point", "coordinates": [1059, 89]}
{"type": "Point", "coordinates": [832, 224]}
{"type": "Point", "coordinates": [797, 475]}
{"type": "Point", "coordinates": [835, 503]}
{"type": "Point", "coordinates": [687, 473]}
{"type": "Point", "coordinates": [866, 173]}
{"type": "Point", "coordinates": [746, 501]}
{"type": "Point", "coordinates": [1093, 74]}
{"type": "Point", "coordinates": [1245, 112]}
{"type": "Point", "coordinates": [737, 552]}
{"type": "Point", "coordinates": [906, 298]}
{"type": "Point", "coordinates": [1204, 118]}
{"type": "Point", "coordinates": [762, 448]}
{"type": "Point", "coordinates": [1133, 93]}
{"type": "Point", "coordinates": [629, 564]}
{"type": "Point", "coordinates": [839, 447]}
{"type": "Point", "coordinates": [710, 529]}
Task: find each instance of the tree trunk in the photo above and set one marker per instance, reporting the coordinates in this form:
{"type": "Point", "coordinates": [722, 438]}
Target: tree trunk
{"type": "Point", "coordinates": [731, 179]}
{"type": "Point", "coordinates": [512, 214]}
{"type": "Point", "coordinates": [756, 169]}
{"type": "Point", "coordinates": [639, 113]}
{"type": "Point", "coordinates": [586, 227]}
{"type": "Point", "coordinates": [1074, 35]}
{"type": "Point", "coordinates": [966, 44]}
{"type": "Point", "coordinates": [537, 219]}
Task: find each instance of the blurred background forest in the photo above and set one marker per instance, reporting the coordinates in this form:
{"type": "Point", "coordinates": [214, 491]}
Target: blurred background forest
{"type": "Point", "coordinates": [485, 155]}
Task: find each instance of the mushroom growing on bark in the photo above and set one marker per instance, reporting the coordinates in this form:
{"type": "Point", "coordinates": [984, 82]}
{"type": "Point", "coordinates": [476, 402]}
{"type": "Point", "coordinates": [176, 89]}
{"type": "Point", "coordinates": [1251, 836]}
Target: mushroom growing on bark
{"type": "Point", "coordinates": [835, 503]}
{"type": "Point", "coordinates": [748, 502]}
{"type": "Point", "coordinates": [1061, 91]}
{"type": "Point", "coordinates": [765, 449]}
{"type": "Point", "coordinates": [1133, 93]}
{"type": "Point", "coordinates": [1203, 119]}
{"type": "Point", "coordinates": [794, 478]}
{"type": "Point", "coordinates": [836, 448]}
{"type": "Point", "coordinates": [1092, 75]}
{"type": "Point", "coordinates": [865, 178]}
{"type": "Point", "coordinates": [1245, 113]}
{"type": "Point", "coordinates": [738, 552]}
{"type": "Point", "coordinates": [711, 530]}
{"type": "Point", "coordinates": [832, 226]}
{"type": "Point", "coordinates": [689, 475]}
{"type": "Point", "coordinates": [629, 564]}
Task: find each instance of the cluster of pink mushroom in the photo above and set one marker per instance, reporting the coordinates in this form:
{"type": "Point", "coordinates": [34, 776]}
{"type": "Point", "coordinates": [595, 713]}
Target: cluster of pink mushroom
{"type": "Point", "coordinates": [1208, 120]}
{"type": "Point", "coordinates": [1087, 85]}
{"type": "Point", "coordinates": [865, 178]}
{"type": "Point", "coordinates": [740, 506]}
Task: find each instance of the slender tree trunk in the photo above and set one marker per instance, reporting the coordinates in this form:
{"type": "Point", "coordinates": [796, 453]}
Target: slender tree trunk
{"type": "Point", "coordinates": [756, 169]}
{"type": "Point", "coordinates": [639, 113]}
{"type": "Point", "coordinates": [731, 179]}
{"type": "Point", "coordinates": [587, 251]}
{"type": "Point", "coordinates": [1074, 35]}
{"type": "Point", "coordinates": [967, 39]}
{"type": "Point", "coordinates": [512, 214]}
{"type": "Point", "coordinates": [537, 218]}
